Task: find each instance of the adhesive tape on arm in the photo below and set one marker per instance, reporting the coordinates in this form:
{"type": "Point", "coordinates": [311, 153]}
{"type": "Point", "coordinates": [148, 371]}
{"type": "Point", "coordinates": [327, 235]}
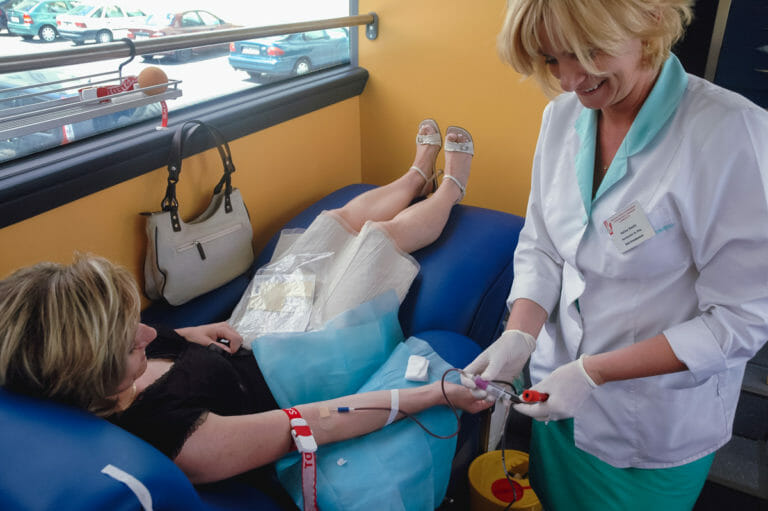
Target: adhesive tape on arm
{"type": "Point", "coordinates": [417, 368]}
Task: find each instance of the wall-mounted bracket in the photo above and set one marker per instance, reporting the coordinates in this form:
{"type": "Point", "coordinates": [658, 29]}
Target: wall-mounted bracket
{"type": "Point", "coordinates": [372, 29]}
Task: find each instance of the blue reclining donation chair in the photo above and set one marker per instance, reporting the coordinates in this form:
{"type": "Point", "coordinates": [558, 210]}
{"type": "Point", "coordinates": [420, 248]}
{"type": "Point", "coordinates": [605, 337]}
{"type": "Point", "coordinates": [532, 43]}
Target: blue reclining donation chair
{"type": "Point", "coordinates": [54, 456]}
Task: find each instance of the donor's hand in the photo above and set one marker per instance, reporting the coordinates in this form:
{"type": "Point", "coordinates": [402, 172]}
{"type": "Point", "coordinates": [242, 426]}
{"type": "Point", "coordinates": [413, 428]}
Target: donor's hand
{"type": "Point", "coordinates": [213, 333]}
{"type": "Point", "coordinates": [462, 398]}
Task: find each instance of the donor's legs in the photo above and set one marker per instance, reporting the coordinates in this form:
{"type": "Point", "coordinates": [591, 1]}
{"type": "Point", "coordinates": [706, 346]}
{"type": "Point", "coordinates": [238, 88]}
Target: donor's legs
{"type": "Point", "coordinates": [413, 226]}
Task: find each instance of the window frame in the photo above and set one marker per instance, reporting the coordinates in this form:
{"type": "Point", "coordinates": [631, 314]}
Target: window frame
{"type": "Point", "coordinates": [43, 181]}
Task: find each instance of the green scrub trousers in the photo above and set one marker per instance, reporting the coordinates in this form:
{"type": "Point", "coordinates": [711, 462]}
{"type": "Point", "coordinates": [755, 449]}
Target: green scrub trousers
{"type": "Point", "coordinates": [566, 478]}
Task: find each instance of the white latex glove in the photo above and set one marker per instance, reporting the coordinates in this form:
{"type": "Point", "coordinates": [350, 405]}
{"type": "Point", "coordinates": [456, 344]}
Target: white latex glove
{"type": "Point", "coordinates": [568, 387]}
{"type": "Point", "coordinates": [503, 360]}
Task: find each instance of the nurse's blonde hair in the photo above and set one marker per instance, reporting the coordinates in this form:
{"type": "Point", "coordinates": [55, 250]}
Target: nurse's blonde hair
{"type": "Point", "coordinates": [66, 331]}
{"type": "Point", "coordinates": [583, 26]}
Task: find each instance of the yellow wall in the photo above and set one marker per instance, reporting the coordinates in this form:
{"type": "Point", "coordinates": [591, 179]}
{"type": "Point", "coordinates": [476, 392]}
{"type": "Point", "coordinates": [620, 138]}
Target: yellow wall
{"type": "Point", "coordinates": [280, 171]}
{"type": "Point", "coordinates": [437, 58]}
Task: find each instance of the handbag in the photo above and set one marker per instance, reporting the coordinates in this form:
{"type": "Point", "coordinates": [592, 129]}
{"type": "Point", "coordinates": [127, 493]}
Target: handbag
{"type": "Point", "coordinates": [188, 259]}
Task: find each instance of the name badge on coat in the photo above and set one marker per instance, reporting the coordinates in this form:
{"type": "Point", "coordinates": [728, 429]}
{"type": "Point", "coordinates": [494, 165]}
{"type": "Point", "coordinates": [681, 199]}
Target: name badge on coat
{"type": "Point", "coordinates": [629, 227]}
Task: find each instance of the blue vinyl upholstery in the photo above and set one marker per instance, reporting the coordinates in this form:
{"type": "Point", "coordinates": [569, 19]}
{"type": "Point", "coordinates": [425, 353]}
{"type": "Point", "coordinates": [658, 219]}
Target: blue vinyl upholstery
{"type": "Point", "coordinates": [53, 455]}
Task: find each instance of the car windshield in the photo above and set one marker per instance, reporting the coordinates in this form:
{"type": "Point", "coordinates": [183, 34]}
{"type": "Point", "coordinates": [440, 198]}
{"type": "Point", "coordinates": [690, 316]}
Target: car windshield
{"type": "Point", "coordinates": [81, 10]}
{"type": "Point", "coordinates": [159, 20]}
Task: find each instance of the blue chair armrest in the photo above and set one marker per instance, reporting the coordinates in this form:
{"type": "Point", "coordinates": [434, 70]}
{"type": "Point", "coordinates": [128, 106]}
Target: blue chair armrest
{"type": "Point", "coordinates": [53, 456]}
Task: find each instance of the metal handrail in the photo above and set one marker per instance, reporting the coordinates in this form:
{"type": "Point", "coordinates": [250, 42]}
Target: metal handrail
{"type": "Point", "coordinates": [123, 48]}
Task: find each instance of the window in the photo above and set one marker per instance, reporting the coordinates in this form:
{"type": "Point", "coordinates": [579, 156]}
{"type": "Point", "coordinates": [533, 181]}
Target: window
{"type": "Point", "coordinates": [315, 34]}
{"type": "Point", "coordinates": [204, 72]}
{"type": "Point", "coordinates": [209, 19]}
{"type": "Point", "coordinates": [191, 19]}
{"type": "Point", "coordinates": [57, 7]}
{"type": "Point", "coordinates": [213, 86]}
{"type": "Point", "coordinates": [113, 11]}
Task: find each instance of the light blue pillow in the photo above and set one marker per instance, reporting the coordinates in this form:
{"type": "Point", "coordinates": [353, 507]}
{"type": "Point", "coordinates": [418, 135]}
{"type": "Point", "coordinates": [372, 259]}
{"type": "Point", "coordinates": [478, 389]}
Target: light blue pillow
{"type": "Point", "coordinates": [399, 467]}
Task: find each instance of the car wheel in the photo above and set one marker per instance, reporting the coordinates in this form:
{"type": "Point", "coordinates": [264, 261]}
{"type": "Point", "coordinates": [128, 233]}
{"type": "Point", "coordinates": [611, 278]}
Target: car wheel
{"type": "Point", "coordinates": [302, 67]}
{"type": "Point", "coordinates": [47, 33]}
{"type": "Point", "coordinates": [105, 36]}
{"type": "Point", "coordinates": [182, 55]}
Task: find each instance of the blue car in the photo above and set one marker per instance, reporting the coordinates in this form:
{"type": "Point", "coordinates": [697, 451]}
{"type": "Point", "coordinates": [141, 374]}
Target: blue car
{"type": "Point", "coordinates": [292, 54]}
{"type": "Point", "coordinates": [33, 18]}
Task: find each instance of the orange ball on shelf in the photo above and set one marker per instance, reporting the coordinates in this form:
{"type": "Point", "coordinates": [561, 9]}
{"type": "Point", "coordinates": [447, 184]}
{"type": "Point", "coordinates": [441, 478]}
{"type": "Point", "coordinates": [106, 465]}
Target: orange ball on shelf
{"type": "Point", "coordinates": [152, 76]}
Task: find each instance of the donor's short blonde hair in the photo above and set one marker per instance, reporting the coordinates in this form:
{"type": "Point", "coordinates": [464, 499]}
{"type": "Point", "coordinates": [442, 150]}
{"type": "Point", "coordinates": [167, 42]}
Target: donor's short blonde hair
{"type": "Point", "coordinates": [66, 331]}
{"type": "Point", "coordinates": [583, 26]}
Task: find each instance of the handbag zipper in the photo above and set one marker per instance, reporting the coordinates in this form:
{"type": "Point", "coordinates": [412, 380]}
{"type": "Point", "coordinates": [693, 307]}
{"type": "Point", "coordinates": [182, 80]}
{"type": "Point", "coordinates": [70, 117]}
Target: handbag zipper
{"type": "Point", "coordinates": [198, 243]}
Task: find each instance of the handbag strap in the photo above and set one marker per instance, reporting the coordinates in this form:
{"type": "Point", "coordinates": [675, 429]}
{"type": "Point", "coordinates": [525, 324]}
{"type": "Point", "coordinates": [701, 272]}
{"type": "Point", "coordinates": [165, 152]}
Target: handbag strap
{"type": "Point", "coordinates": [170, 202]}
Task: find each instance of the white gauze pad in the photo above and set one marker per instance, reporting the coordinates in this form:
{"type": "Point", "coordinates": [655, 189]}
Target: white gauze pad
{"type": "Point", "coordinates": [417, 369]}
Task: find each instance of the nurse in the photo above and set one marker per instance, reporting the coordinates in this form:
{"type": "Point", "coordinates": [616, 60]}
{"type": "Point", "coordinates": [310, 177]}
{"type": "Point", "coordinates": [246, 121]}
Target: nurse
{"type": "Point", "coordinates": [641, 277]}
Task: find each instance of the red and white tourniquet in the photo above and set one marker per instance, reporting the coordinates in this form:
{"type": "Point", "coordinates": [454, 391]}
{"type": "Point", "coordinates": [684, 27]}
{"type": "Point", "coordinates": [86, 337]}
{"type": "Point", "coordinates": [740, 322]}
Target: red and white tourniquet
{"type": "Point", "coordinates": [306, 445]}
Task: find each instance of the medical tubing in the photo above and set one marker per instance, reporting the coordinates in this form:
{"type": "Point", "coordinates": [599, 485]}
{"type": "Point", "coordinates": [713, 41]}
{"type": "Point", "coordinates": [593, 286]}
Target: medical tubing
{"type": "Point", "coordinates": [347, 409]}
{"type": "Point", "coordinates": [537, 396]}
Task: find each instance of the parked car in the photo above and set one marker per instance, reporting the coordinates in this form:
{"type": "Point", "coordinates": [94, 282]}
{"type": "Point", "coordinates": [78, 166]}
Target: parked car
{"type": "Point", "coordinates": [33, 18]}
{"type": "Point", "coordinates": [292, 54]}
{"type": "Point", "coordinates": [179, 23]}
{"type": "Point", "coordinates": [98, 22]}
{"type": "Point", "coordinates": [5, 6]}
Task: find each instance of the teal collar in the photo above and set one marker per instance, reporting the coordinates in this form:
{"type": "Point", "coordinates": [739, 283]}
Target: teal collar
{"type": "Point", "coordinates": [659, 106]}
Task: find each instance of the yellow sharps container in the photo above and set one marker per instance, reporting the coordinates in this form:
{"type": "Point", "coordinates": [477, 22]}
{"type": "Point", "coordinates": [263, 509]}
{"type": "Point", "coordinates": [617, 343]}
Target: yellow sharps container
{"type": "Point", "coordinates": [491, 491]}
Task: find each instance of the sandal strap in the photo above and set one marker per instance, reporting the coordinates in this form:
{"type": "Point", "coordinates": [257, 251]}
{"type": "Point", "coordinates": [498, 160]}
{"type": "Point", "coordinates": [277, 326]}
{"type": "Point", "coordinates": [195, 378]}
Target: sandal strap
{"type": "Point", "coordinates": [429, 182]}
{"type": "Point", "coordinates": [421, 172]}
{"type": "Point", "coordinates": [462, 188]}
{"type": "Point", "coordinates": [430, 139]}
{"type": "Point", "coordinates": [461, 147]}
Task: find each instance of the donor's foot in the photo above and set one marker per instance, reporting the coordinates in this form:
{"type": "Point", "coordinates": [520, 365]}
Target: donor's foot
{"type": "Point", "coordinates": [428, 143]}
{"type": "Point", "coordinates": [459, 149]}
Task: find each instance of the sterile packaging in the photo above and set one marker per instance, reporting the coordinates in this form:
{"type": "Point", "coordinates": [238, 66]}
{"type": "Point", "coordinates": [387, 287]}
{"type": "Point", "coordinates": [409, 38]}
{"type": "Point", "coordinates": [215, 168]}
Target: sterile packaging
{"type": "Point", "coordinates": [278, 298]}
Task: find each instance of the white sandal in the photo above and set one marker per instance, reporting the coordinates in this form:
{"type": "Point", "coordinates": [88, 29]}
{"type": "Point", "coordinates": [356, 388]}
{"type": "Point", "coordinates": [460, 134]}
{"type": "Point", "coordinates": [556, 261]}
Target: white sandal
{"type": "Point", "coordinates": [467, 147]}
{"type": "Point", "coordinates": [429, 139]}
